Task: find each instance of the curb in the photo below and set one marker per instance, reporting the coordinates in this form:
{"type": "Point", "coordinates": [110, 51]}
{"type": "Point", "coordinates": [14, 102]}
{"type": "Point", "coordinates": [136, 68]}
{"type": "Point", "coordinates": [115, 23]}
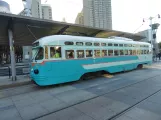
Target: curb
{"type": "Point", "coordinates": [12, 85]}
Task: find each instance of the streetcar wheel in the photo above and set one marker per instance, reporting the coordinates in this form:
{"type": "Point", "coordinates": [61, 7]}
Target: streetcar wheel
{"type": "Point", "coordinates": [140, 66]}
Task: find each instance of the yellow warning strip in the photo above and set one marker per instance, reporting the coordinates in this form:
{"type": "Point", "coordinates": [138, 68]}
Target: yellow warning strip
{"type": "Point", "coordinates": [158, 67]}
{"type": "Point", "coordinates": [108, 75]}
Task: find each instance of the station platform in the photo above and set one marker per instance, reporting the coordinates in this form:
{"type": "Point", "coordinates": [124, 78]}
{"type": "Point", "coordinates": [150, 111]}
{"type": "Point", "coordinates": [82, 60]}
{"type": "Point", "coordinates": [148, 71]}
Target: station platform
{"type": "Point", "coordinates": [6, 82]}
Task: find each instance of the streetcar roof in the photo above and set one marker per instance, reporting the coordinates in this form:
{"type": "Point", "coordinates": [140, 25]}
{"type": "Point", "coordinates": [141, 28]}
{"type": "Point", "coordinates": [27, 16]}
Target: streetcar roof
{"type": "Point", "coordinates": [48, 40]}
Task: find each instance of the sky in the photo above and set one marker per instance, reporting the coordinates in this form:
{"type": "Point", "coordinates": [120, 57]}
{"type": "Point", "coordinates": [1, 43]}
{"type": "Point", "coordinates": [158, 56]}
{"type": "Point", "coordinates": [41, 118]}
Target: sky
{"type": "Point", "coordinates": [127, 15]}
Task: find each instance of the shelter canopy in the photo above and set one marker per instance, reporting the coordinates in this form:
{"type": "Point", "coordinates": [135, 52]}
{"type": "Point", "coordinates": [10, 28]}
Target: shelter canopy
{"type": "Point", "coordinates": [27, 29]}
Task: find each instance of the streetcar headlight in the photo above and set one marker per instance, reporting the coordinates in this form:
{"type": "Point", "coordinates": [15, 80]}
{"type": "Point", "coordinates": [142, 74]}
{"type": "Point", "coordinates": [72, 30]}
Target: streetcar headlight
{"type": "Point", "coordinates": [36, 71]}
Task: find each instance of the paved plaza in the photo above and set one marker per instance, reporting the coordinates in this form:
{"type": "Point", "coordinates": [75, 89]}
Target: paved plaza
{"type": "Point", "coordinates": [133, 95]}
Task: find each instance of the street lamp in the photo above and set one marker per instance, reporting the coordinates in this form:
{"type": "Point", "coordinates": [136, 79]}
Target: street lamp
{"type": "Point", "coordinates": [153, 30]}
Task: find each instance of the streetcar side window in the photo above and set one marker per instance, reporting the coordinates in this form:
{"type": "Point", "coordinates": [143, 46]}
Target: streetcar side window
{"type": "Point", "coordinates": [130, 52]}
{"type": "Point", "coordinates": [97, 53]}
{"type": "Point", "coordinates": [89, 53]}
{"type": "Point", "coordinates": [69, 54]}
{"type": "Point", "coordinates": [79, 43]}
{"type": "Point", "coordinates": [116, 52]}
{"type": "Point", "coordinates": [110, 52]}
{"type": "Point", "coordinates": [148, 52]}
{"type": "Point", "coordinates": [55, 52]}
{"type": "Point", "coordinates": [145, 52]}
{"type": "Point", "coordinates": [121, 45]}
{"type": "Point", "coordinates": [115, 45]}
{"type": "Point", "coordinates": [138, 52]}
{"type": "Point", "coordinates": [134, 52]}
{"type": "Point", "coordinates": [104, 53]}
{"type": "Point", "coordinates": [88, 44]}
{"type": "Point", "coordinates": [103, 44]}
{"type": "Point", "coordinates": [126, 52]}
{"type": "Point", "coordinates": [96, 44]}
{"type": "Point", "coordinates": [110, 44]}
{"type": "Point", "coordinates": [121, 52]}
{"type": "Point", "coordinates": [80, 53]}
{"type": "Point", "coordinates": [69, 43]}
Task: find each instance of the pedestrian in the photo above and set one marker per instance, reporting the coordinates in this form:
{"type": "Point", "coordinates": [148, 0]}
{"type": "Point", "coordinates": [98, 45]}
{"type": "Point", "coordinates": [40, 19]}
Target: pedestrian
{"type": "Point", "coordinates": [159, 55]}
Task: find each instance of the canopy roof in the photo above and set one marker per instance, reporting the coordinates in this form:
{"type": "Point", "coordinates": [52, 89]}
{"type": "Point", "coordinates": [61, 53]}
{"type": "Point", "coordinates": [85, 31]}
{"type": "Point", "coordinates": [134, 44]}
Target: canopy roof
{"type": "Point", "coordinates": [27, 29]}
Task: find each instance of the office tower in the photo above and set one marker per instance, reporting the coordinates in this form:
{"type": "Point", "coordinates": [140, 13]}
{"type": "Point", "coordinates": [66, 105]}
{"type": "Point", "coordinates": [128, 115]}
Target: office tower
{"type": "Point", "coordinates": [97, 13]}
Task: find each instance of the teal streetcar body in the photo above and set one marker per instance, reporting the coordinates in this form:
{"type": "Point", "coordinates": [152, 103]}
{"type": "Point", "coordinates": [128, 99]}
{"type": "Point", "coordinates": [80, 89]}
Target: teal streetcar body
{"type": "Point", "coordinates": [63, 58]}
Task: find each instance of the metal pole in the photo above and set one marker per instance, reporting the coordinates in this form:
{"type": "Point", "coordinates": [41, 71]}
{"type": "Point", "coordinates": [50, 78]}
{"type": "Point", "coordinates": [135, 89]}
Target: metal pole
{"type": "Point", "coordinates": [9, 73]}
{"type": "Point", "coordinates": [151, 37]}
{"type": "Point", "coordinates": [151, 31]}
{"type": "Point", "coordinates": [12, 54]}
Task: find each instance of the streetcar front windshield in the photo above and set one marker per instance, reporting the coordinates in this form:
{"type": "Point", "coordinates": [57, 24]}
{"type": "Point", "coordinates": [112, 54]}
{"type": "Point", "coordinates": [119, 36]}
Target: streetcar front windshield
{"type": "Point", "coordinates": [34, 52]}
{"type": "Point", "coordinates": [38, 53]}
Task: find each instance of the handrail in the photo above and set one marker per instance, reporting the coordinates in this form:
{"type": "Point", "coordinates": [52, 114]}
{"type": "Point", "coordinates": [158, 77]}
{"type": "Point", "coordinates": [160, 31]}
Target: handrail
{"type": "Point", "coordinates": [21, 66]}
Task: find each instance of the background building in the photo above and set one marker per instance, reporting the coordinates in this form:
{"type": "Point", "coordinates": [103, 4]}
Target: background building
{"type": "Point", "coordinates": [147, 34]}
{"type": "Point", "coordinates": [80, 18]}
{"type": "Point", "coordinates": [97, 13]}
{"type": "Point", "coordinates": [36, 9]}
{"type": "Point", "coordinates": [27, 8]}
{"type": "Point", "coordinates": [46, 11]}
{"type": "Point", "coordinates": [32, 8]}
{"type": "Point", "coordinates": [4, 7]}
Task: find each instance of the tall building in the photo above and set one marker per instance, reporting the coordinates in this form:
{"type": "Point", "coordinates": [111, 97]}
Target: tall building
{"type": "Point", "coordinates": [4, 7]}
{"type": "Point", "coordinates": [80, 19]}
{"type": "Point", "coordinates": [27, 8]}
{"type": "Point", "coordinates": [97, 13]}
{"type": "Point", "coordinates": [46, 11]}
{"type": "Point", "coordinates": [36, 9]}
{"type": "Point", "coordinates": [32, 8]}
